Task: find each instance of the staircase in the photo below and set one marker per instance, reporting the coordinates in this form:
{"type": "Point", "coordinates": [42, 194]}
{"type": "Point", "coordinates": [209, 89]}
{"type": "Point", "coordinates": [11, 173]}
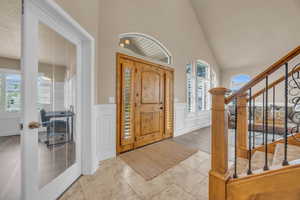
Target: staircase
{"type": "Point", "coordinates": [274, 160]}
{"type": "Point", "coordinates": [266, 132]}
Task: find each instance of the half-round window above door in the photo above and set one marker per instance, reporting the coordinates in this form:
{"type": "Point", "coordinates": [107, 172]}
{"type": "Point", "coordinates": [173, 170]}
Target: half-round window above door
{"type": "Point", "coordinates": [146, 46]}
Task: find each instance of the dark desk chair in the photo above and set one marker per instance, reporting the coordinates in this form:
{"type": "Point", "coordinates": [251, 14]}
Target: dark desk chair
{"type": "Point", "coordinates": [55, 128]}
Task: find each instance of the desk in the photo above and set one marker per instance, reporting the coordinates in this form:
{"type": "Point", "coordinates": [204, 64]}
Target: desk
{"type": "Point", "coordinates": [63, 114]}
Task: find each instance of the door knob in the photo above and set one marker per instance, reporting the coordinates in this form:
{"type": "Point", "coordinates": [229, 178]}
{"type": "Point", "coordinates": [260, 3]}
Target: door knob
{"type": "Point", "coordinates": [161, 108]}
{"type": "Point", "coordinates": [34, 125]}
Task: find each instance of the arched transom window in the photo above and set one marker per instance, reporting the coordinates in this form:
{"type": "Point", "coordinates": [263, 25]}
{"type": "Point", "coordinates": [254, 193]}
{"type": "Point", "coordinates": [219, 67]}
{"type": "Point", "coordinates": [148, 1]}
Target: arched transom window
{"type": "Point", "coordinates": [145, 46]}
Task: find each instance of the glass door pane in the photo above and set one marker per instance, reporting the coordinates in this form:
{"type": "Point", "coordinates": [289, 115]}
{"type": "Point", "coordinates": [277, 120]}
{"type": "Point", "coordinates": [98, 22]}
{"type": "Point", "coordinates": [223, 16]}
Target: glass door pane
{"type": "Point", "coordinates": [56, 104]}
{"type": "Point", "coordinates": [10, 99]}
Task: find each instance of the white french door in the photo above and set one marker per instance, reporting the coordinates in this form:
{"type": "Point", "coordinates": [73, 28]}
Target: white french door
{"type": "Point", "coordinates": [51, 98]}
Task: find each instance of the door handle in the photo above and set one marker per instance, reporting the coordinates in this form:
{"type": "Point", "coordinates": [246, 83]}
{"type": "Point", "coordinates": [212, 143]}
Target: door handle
{"type": "Point", "coordinates": [161, 108]}
{"type": "Point", "coordinates": [34, 125]}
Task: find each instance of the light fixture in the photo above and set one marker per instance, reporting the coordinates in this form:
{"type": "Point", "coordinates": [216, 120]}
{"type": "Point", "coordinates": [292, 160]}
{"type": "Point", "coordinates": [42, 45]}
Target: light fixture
{"type": "Point", "coordinates": [122, 45]}
{"type": "Point", "coordinates": [127, 42]}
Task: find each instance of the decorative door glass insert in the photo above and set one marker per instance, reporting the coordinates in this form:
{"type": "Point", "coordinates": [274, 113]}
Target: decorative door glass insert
{"type": "Point", "coordinates": [56, 104]}
{"type": "Point", "coordinates": [127, 103]}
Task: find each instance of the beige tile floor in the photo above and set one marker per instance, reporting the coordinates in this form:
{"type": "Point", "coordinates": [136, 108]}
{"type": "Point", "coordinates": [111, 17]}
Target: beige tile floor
{"type": "Point", "coordinates": [115, 180]}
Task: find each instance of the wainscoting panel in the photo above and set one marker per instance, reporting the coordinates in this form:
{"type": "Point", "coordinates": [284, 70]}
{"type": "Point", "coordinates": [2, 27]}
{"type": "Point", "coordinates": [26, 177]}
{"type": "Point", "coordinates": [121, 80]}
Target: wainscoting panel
{"type": "Point", "coordinates": [106, 130]}
{"type": "Point", "coordinates": [186, 122]}
{"type": "Point", "coordinates": [106, 126]}
{"type": "Point", "coordinates": [9, 123]}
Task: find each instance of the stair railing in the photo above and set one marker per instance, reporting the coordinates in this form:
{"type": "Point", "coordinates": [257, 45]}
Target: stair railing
{"type": "Point", "coordinates": [291, 115]}
{"type": "Point", "coordinates": [245, 102]}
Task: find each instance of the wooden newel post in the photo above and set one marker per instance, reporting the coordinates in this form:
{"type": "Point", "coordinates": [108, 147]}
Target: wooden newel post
{"type": "Point", "coordinates": [219, 173]}
{"type": "Point", "coordinates": [242, 126]}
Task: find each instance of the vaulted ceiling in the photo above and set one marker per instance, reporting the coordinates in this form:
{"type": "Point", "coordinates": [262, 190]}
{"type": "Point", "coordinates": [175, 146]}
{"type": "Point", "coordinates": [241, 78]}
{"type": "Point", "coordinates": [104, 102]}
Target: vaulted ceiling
{"type": "Point", "coordinates": [53, 48]}
{"type": "Point", "coordinates": [249, 33]}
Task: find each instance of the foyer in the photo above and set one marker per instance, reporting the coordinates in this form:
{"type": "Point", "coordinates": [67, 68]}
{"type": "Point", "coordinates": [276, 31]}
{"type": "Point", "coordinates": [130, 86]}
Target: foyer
{"type": "Point", "coordinates": [148, 100]}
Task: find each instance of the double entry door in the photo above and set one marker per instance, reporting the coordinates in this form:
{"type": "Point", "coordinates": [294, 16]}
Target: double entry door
{"type": "Point", "coordinates": [145, 103]}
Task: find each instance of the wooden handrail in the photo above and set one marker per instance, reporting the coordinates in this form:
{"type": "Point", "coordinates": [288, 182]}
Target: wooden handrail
{"type": "Point", "coordinates": [265, 73]}
{"type": "Point", "coordinates": [282, 78]}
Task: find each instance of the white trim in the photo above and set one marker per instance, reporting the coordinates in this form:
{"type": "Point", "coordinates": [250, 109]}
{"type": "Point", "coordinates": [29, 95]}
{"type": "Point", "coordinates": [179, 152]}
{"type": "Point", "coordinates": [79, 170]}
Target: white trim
{"type": "Point", "coordinates": [105, 115]}
{"type": "Point", "coordinates": [49, 13]}
{"type": "Point", "coordinates": [194, 78]}
{"type": "Point", "coordinates": [131, 53]}
{"type": "Point", "coordinates": [156, 41]}
{"type": "Point", "coordinates": [9, 123]}
{"type": "Point", "coordinates": [106, 130]}
{"type": "Point", "coordinates": [187, 122]}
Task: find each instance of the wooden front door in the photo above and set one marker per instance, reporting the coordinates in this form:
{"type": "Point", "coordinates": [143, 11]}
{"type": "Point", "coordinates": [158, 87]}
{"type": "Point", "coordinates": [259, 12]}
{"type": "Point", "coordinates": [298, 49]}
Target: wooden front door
{"type": "Point", "coordinates": [144, 103]}
{"type": "Point", "coordinates": [149, 108]}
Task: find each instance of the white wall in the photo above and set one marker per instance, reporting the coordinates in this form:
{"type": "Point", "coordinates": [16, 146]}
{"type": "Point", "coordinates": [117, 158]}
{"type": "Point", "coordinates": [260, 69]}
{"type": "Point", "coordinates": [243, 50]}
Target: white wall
{"type": "Point", "coordinates": [106, 126]}
{"type": "Point", "coordinates": [172, 22]}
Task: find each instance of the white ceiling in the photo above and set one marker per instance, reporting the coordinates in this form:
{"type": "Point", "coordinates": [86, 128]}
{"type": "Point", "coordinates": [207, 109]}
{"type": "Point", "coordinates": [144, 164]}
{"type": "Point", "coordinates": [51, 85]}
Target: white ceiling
{"type": "Point", "coordinates": [53, 48]}
{"type": "Point", "coordinates": [249, 33]}
{"type": "Point", "coordinates": [241, 33]}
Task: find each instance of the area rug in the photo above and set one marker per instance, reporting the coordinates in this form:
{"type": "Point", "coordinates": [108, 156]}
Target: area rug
{"type": "Point", "coordinates": [154, 159]}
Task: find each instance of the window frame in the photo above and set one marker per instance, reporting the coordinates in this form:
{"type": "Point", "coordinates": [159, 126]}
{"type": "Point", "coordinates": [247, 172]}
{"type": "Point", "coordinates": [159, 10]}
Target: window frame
{"type": "Point", "coordinates": [163, 48]}
{"type": "Point", "coordinates": [3, 74]}
{"type": "Point", "coordinates": [209, 81]}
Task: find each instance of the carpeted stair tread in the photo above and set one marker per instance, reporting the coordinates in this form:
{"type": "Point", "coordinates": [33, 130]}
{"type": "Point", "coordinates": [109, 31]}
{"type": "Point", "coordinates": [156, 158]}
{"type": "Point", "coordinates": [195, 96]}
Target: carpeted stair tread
{"type": "Point", "coordinates": [257, 163]}
{"type": "Point", "coordinates": [242, 166]}
{"type": "Point", "coordinates": [258, 160]}
{"type": "Point", "coordinates": [293, 153]}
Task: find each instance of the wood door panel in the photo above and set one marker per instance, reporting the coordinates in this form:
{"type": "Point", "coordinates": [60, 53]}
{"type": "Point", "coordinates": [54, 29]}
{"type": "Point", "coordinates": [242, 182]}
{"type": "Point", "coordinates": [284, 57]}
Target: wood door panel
{"type": "Point", "coordinates": [144, 103]}
{"type": "Point", "coordinates": [150, 87]}
{"type": "Point", "coordinates": [150, 122]}
{"type": "Point", "coordinates": [149, 116]}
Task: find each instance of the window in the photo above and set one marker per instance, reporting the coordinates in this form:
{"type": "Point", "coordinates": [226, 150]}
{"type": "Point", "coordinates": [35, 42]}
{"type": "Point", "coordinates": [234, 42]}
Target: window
{"type": "Point", "coordinates": [190, 88]}
{"type": "Point", "coordinates": [44, 91]}
{"type": "Point", "coordinates": [10, 91]}
{"type": "Point", "coordinates": [239, 81]}
{"type": "Point", "coordinates": [200, 79]}
{"type": "Point", "coordinates": [146, 46]}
